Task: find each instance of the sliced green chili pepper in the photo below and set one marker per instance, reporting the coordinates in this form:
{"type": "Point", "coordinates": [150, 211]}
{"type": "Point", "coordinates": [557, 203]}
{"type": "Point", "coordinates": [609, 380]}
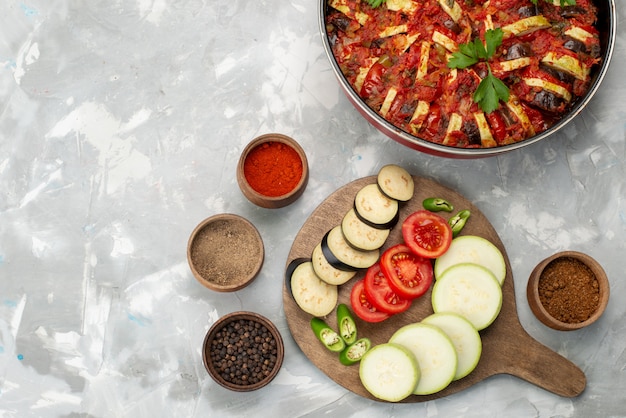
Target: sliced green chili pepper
{"type": "Point", "coordinates": [437, 204]}
{"type": "Point", "coordinates": [327, 335]}
{"type": "Point", "coordinates": [346, 324]}
{"type": "Point", "coordinates": [457, 222]}
{"type": "Point", "coordinates": [355, 352]}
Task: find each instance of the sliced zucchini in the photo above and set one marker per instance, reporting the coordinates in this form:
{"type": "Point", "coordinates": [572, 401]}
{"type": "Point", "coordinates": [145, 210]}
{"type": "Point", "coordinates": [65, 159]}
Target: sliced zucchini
{"type": "Point", "coordinates": [513, 64]}
{"type": "Point", "coordinates": [514, 106]}
{"type": "Point", "coordinates": [486, 138]}
{"type": "Point", "coordinates": [549, 86]}
{"type": "Point", "coordinates": [464, 337]}
{"type": "Point", "coordinates": [567, 64]}
{"type": "Point", "coordinates": [422, 68]}
{"type": "Point", "coordinates": [326, 272]}
{"type": "Point", "coordinates": [469, 290]}
{"type": "Point", "coordinates": [455, 124]}
{"type": "Point", "coordinates": [360, 235]}
{"type": "Point", "coordinates": [472, 249]}
{"type": "Point", "coordinates": [393, 30]}
{"type": "Point", "coordinates": [579, 34]}
{"type": "Point", "coordinates": [452, 9]}
{"type": "Point", "coordinates": [526, 25]}
{"type": "Point", "coordinates": [417, 119]}
{"type": "Point", "coordinates": [403, 42]}
{"type": "Point", "coordinates": [312, 294]}
{"type": "Point", "coordinates": [341, 255]}
{"type": "Point", "coordinates": [406, 6]}
{"type": "Point", "coordinates": [389, 98]}
{"type": "Point", "coordinates": [389, 372]}
{"type": "Point", "coordinates": [435, 354]}
{"type": "Point", "coordinates": [445, 41]}
{"type": "Point", "coordinates": [374, 208]}
{"type": "Point", "coordinates": [396, 182]}
{"type": "Point", "coordinates": [343, 7]}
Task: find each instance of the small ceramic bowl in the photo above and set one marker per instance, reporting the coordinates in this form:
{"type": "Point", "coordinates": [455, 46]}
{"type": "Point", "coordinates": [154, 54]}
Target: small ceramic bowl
{"type": "Point", "coordinates": [267, 174]}
{"type": "Point", "coordinates": [225, 252]}
{"type": "Point", "coordinates": [248, 372]}
{"type": "Point", "coordinates": [548, 286]}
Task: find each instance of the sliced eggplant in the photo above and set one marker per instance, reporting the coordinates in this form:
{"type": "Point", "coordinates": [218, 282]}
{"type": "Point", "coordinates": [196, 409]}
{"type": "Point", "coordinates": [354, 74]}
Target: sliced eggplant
{"type": "Point", "coordinates": [395, 182]}
{"type": "Point", "coordinates": [326, 272]}
{"type": "Point", "coordinates": [548, 101]}
{"type": "Point", "coordinates": [519, 50]}
{"type": "Point", "coordinates": [360, 235]}
{"type": "Point", "coordinates": [341, 255]}
{"type": "Point", "coordinates": [312, 294]}
{"type": "Point", "coordinates": [374, 208]}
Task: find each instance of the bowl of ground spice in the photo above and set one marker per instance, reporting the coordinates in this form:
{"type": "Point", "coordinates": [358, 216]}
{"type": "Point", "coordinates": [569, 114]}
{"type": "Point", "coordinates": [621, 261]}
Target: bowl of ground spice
{"type": "Point", "coordinates": [243, 351]}
{"type": "Point", "coordinates": [273, 171]}
{"type": "Point", "coordinates": [568, 291]}
{"type": "Point", "coordinates": [225, 252]}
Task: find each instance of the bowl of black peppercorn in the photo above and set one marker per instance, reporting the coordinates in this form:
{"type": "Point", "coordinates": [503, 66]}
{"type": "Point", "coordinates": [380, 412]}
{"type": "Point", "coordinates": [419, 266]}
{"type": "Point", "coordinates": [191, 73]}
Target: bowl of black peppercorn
{"type": "Point", "coordinates": [243, 351]}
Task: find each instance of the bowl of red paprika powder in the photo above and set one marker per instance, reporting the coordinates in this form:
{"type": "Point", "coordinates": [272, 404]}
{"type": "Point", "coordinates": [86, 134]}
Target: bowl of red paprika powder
{"type": "Point", "coordinates": [273, 171]}
{"type": "Point", "coordinates": [568, 291]}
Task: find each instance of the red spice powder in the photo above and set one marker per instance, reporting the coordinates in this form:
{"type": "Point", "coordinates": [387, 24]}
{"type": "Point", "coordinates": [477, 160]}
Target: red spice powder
{"type": "Point", "coordinates": [273, 168]}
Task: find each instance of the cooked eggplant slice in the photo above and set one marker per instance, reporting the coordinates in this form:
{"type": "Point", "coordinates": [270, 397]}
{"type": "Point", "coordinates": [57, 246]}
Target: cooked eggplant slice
{"type": "Point", "coordinates": [548, 101]}
{"type": "Point", "coordinates": [518, 50]}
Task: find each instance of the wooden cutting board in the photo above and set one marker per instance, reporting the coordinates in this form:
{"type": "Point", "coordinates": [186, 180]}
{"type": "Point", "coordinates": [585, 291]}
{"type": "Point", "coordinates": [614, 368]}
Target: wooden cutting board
{"type": "Point", "coordinates": [507, 347]}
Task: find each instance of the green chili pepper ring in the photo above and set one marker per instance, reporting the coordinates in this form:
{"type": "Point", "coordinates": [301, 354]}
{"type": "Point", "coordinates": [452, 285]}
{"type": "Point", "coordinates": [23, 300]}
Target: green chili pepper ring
{"type": "Point", "coordinates": [346, 324]}
{"type": "Point", "coordinates": [458, 221]}
{"type": "Point", "coordinates": [327, 335]}
{"type": "Point", "coordinates": [355, 352]}
{"type": "Point", "coordinates": [437, 204]}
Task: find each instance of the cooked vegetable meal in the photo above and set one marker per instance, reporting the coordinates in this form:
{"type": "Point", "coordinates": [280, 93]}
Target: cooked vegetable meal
{"type": "Point", "coordinates": [466, 73]}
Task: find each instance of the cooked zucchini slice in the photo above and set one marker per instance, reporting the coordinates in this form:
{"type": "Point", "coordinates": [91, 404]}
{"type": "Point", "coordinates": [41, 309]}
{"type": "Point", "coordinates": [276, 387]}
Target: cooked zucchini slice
{"type": "Point", "coordinates": [452, 8]}
{"type": "Point", "coordinates": [514, 106]}
{"type": "Point", "coordinates": [486, 137]}
{"type": "Point", "coordinates": [455, 124]}
{"type": "Point", "coordinates": [406, 6]}
{"type": "Point", "coordinates": [422, 68]}
{"type": "Point", "coordinates": [526, 26]}
{"type": "Point", "coordinates": [374, 208]}
{"type": "Point", "coordinates": [567, 64]}
{"type": "Point", "coordinates": [579, 34]}
{"type": "Point", "coordinates": [393, 30]}
{"type": "Point", "coordinates": [549, 86]}
{"type": "Point", "coordinates": [513, 64]}
{"type": "Point", "coordinates": [343, 7]}
{"type": "Point", "coordinates": [389, 98]}
{"type": "Point", "coordinates": [445, 41]}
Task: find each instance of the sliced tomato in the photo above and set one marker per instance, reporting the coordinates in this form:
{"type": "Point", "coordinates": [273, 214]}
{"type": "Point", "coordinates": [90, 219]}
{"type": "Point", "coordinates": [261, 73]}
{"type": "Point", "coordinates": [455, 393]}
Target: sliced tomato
{"type": "Point", "coordinates": [426, 234]}
{"type": "Point", "coordinates": [362, 307]}
{"type": "Point", "coordinates": [409, 275]}
{"type": "Point", "coordinates": [498, 128]}
{"type": "Point", "coordinates": [382, 296]}
{"type": "Point", "coordinates": [373, 83]}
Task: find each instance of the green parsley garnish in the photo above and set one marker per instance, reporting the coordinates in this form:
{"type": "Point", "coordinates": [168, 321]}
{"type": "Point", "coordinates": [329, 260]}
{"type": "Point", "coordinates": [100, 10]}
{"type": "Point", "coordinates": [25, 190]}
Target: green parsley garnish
{"type": "Point", "coordinates": [375, 3]}
{"type": "Point", "coordinates": [491, 89]}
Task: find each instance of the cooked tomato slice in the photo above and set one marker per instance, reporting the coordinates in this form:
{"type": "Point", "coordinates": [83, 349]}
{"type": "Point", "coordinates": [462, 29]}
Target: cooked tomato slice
{"type": "Point", "coordinates": [409, 275]}
{"type": "Point", "coordinates": [380, 294]}
{"type": "Point", "coordinates": [362, 307]}
{"type": "Point", "coordinates": [426, 234]}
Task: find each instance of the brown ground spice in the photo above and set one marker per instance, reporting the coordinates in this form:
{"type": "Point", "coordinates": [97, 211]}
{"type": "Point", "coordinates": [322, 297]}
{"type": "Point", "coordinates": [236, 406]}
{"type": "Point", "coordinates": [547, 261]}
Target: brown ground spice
{"type": "Point", "coordinates": [225, 252]}
{"type": "Point", "coordinates": [568, 290]}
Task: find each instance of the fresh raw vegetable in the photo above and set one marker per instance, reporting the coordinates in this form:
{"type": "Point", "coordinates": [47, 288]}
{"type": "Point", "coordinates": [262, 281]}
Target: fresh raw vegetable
{"type": "Point", "coordinates": [396, 182]}
{"type": "Point", "coordinates": [362, 307]}
{"type": "Point", "coordinates": [361, 235]}
{"type": "Point", "coordinates": [427, 234]}
{"type": "Point", "coordinates": [326, 272]}
{"type": "Point", "coordinates": [434, 352]}
{"type": "Point", "coordinates": [354, 353]}
{"type": "Point", "coordinates": [409, 275]}
{"type": "Point", "coordinates": [346, 324]}
{"type": "Point", "coordinates": [437, 204]}
{"type": "Point", "coordinates": [458, 221]}
{"type": "Point", "coordinates": [327, 335]}
{"type": "Point", "coordinates": [389, 372]}
{"type": "Point", "coordinates": [312, 294]}
{"type": "Point", "coordinates": [344, 257]}
{"type": "Point", "coordinates": [476, 250]}
{"type": "Point", "coordinates": [464, 337]}
{"type": "Point", "coordinates": [380, 294]}
{"type": "Point", "coordinates": [374, 208]}
{"type": "Point", "coordinates": [469, 290]}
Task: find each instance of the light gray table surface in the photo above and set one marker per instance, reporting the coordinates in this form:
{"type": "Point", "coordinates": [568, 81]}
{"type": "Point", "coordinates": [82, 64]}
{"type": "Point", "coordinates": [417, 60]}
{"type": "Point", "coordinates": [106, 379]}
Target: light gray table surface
{"type": "Point", "coordinates": [121, 124]}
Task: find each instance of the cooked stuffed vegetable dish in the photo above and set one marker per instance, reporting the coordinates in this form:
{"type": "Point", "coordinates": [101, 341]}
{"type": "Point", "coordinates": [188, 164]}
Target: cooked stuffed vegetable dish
{"type": "Point", "coordinates": [466, 73]}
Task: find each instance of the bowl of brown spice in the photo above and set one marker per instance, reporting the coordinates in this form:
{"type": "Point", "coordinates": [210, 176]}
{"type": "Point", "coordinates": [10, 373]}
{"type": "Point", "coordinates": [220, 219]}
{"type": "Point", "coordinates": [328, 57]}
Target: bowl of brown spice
{"type": "Point", "coordinates": [243, 351]}
{"type": "Point", "coordinates": [272, 171]}
{"type": "Point", "coordinates": [568, 291]}
{"type": "Point", "coordinates": [225, 252]}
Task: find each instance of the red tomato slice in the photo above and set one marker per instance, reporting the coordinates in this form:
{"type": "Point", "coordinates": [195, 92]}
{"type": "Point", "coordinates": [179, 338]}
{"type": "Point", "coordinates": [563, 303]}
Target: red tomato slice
{"type": "Point", "coordinates": [378, 291]}
{"type": "Point", "coordinates": [409, 275]}
{"type": "Point", "coordinates": [426, 234]}
{"type": "Point", "coordinates": [362, 307]}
